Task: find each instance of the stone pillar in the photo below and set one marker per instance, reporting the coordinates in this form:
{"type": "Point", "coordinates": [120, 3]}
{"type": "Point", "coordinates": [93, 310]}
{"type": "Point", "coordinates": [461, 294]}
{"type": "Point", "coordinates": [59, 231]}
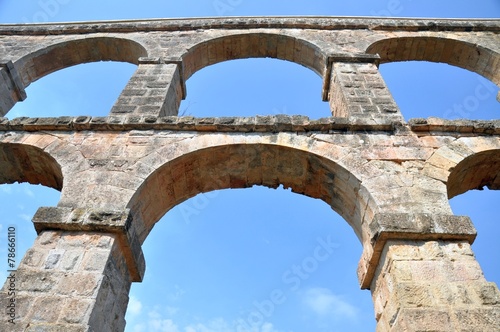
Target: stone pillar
{"type": "Point", "coordinates": [77, 275]}
{"type": "Point", "coordinates": [156, 89]}
{"type": "Point", "coordinates": [423, 275]}
{"type": "Point", "coordinates": [11, 87]}
{"type": "Point", "coordinates": [433, 286]}
{"type": "Point", "coordinates": [356, 89]}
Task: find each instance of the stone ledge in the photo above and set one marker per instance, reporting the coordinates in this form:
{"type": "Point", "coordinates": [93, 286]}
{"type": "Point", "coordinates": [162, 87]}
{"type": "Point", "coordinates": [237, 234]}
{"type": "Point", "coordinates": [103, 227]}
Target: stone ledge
{"type": "Point", "coordinates": [405, 226]}
{"type": "Point", "coordinates": [284, 22]}
{"type": "Point", "coordinates": [271, 123]}
{"type": "Point", "coordinates": [460, 126]}
{"type": "Point", "coordinates": [90, 220]}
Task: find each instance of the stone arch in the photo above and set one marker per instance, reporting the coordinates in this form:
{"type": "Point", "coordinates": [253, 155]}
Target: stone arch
{"type": "Point", "coordinates": [466, 163]}
{"type": "Point", "coordinates": [253, 45]}
{"type": "Point", "coordinates": [77, 51]}
{"type": "Point", "coordinates": [478, 170]}
{"type": "Point", "coordinates": [463, 54]}
{"type": "Point", "coordinates": [26, 163]}
{"type": "Point", "coordinates": [243, 166]}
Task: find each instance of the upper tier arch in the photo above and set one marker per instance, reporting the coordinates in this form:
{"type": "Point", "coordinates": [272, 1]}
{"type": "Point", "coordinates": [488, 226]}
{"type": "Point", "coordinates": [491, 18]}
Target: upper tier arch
{"type": "Point", "coordinates": [72, 52]}
{"type": "Point", "coordinates": [253, 45]}
{"type": "Point", "coordinates": [474, 57]}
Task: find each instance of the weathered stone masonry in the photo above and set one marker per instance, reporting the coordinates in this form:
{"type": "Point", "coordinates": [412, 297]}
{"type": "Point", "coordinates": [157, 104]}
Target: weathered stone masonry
{"type": "Point", "coordinates": [389, 178]}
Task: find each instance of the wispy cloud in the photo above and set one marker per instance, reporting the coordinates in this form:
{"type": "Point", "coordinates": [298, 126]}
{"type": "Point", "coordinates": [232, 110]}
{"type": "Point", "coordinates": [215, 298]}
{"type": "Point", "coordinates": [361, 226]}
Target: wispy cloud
{"type": "Point", "coordinates": [6, 189]}
{"type": "Point", "coordinates": [326, 304]}
{"type": "Point", "coordinates": [221, 325]}
{"type": "Point", "coordinates": [171, 311]}
{"type": "Point", "coordinates": [24, 216]}
{"type": "Point", "coordinates": [28, 192]}
{"type": "Point", "coordinates": [177, 295]}
{"type": "Point", "coordinates": [156, 322]}
{"type": "Point", "coordinates": [134, 306]}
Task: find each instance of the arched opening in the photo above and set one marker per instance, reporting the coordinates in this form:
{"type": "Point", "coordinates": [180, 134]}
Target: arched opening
{"type": "Point", "coordinates": [243, 166]}
{"type": "Point", "coordinates": [253, 45]}
{"type": "Point", "coordinates": [50, 59]}
{"type": "Point", "coordinates": [250, 89]}
{"type": "Point", "coordinates": [89, 89]}
{"type": "Point", "coordinates": [238, 89]}
{"type": "Point", "coordinates": [26, 163]}
{"type": "Point", "coordinates": [18, 204]}
{"type": "Point", "coordinates": [437, 90]}
{"type": "Point", "coordinates": [256, 259]}
{"type": "Point", "coordinates": [432, 89]}
{"type": "Point", "coordinates": [482, 208]}
{"type": "Point", "coordinates": [477, 171]}
{"type": "Point", "coordinates": [473, 190]}
{"type": "Point", "coordinates": [78, 51]}
{"type": "Point", "coordinates": [458, 53]}
{"type": "Point", "coordinates": [39, 180]}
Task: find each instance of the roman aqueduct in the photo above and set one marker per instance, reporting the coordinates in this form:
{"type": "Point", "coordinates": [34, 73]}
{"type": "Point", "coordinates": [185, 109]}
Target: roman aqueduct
{"type": "Point", "coordinates": [119, 174]}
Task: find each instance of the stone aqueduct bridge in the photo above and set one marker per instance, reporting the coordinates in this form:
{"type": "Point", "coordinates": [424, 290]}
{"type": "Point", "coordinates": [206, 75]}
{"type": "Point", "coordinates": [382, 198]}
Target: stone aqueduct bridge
{"type": "Point", "coordinates": [389, 178]}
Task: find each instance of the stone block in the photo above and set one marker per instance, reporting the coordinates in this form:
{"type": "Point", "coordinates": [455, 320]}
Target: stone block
{"type": "Point", "coordinates": [75, 311]}
{"type": "Point", "coordinates": [47, 309]}
{"type": "Point", "coordinates": [79, 284]}
{"type": "Point", "coordinates": [489, 294]}
{"type": "Point", "coordinates": [419, 319]}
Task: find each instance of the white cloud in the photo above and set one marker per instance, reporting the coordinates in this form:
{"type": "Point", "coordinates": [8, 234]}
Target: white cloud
{"type": "Point", "coordinates": [268, 327]}
{"type": "Point", "coordinates": [134, 306]}
{"type": "Point", "coordinates": [155, 322]}
{"type": "Point", "coordinates": [216, 325]}
{"type": "Point", "coordinates": [139, 328]}
{"type": "Point", "coordinates": [165, 325]}
{"type": "Point", "coordinates": [221, 325]}
{"type": "Point", "coordinates": [171, 311]}
{"type": "Point", "coordinates": [24, 216]}
{"type": "Point", "coordinates": [158, 323]}
{"type": "Point", "coordinates": [177, 294]}
{"type": "Point", "coordinates": [28, 192]}
{"type": "Point", "coordinates": [326, 304]}
{"type": "Point", "coordinates": [6, 189]}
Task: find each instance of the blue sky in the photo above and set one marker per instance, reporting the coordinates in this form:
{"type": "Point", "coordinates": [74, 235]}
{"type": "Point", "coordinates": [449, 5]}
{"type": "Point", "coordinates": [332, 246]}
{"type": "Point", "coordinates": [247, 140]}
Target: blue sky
{"type": "Point", "coordinates": [246, 258]}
